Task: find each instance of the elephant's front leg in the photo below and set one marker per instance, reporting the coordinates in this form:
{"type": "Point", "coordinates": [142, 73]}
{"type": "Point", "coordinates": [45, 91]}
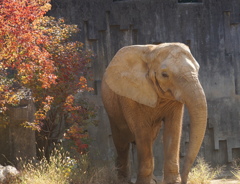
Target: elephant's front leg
{"type": "Point", "coordinates": [171, 139]}
{"type": "Point", "coordinates": [144, 143]}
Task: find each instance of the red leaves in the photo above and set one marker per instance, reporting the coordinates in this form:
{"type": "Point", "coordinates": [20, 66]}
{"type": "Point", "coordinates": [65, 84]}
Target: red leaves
{"type": "Point", "coordinates": [39, 50]}
{"type": "Point", "coordinates": [71, 66]}
{"type": "Point", "coordinates": [78, 135]}
{"type": "Point", "coordinates": [22, 44]}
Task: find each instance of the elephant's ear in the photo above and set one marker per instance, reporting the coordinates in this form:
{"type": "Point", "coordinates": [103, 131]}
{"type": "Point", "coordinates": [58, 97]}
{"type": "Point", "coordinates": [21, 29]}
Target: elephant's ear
{"type": "Point", "coordinates": [127, 74]}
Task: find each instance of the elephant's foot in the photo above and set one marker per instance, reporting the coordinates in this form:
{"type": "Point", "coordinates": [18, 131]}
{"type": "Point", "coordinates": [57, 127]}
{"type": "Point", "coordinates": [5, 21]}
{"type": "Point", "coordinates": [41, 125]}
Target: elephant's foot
{"type": "Point", "coordinates": [177, 182]}
{"type": "Point", "coordinates": [124, 176]}
{"type": "Point", "coordinates": [175, 179]}
{"type": "Point", "coordinates": [152, 181]}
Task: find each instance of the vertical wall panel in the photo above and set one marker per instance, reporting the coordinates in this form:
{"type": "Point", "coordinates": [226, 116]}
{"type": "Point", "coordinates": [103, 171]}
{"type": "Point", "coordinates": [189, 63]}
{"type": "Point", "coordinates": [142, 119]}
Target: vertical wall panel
{"type": "Point", "coordinates": [212, 31]}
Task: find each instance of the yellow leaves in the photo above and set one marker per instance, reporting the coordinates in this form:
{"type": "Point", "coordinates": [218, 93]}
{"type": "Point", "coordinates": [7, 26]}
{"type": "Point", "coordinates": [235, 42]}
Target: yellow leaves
{"type": "Point", "coordinates": [22, 43]}
{"type": "Point", "coordinates": [40, 115]}
{"type": "Point", "coordinates": [69, 100]}
{"type": "Point", "coordinates": [14, 99]}
{"type": "Point", "coordinates": [47, 104]}
{"type": "Point", "coordinates": [2, 88]}
{"type": "Point", "coordinates": [46, 7]}
{"type": "Point", "coordinates": [31, 125]}
{"type": "Point", "coordinates": [49, 99]}
{"type": "Point", "coordinates": [46, 107]}
{"type": "Point", "coordinates": [56, 29]}
{"type": "Point", "coordinates": [69, 104]}
{"type": "Point", "coordinates": [9, 97]}
{"type": "Point", "coordinates": [24, 80]}
{"type": "Point", "coordinates": [83, 84]}
{"type": "Point", "coordinates": [38, 49]}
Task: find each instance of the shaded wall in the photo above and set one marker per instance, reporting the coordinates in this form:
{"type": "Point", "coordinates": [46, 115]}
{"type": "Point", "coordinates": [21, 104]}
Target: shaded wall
{"type": "Point", "coordinates": [17, 143]}
{"type": "Point", "coordinates": [212, 31]}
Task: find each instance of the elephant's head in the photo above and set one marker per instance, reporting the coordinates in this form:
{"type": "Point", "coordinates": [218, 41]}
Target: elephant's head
{"type": "Point", "coordinates": [150, 72]}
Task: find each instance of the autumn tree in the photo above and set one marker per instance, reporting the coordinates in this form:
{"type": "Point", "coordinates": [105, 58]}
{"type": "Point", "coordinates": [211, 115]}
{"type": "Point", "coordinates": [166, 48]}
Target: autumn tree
{"type": "Point", "coordinates": [36, 52]}
{"type": "Point", "coordinates": [58, 101]}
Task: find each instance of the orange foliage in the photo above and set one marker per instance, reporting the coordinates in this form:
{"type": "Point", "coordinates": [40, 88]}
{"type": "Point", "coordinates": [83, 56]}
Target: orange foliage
{"type": "Point", "coordinates": [77, 134]}
{"type": "Point", "coordinates": [22, 44]}
{"type": "Point", "coordinates": [36, 52]}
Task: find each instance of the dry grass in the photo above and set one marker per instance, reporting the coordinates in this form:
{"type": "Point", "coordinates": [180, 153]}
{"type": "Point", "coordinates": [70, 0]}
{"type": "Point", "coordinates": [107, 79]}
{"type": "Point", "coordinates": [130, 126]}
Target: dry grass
{"type": "Point", "coordinates": [94, 173]}
{"type": "Point", "coordinates": [61, 169]}
{"type": "Point", "coordinates": [203, 173]}
{"type": "Point", "coordinates": [56, 170]}
{"type": "Point", "coordinates": [236, 169]}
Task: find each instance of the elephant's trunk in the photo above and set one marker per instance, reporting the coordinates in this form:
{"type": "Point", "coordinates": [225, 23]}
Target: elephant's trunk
{"type": "Point", "coordinates": [197, 108]}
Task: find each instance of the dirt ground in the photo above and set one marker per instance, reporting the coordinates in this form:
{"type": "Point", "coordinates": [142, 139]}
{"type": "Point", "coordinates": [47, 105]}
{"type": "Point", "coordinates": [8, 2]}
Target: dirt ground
{"type": "Point", "coordinates": [226, 178]}
{"type": "Point", "coordinates": [225, 181]}
{"type": "Point", "coordinates": [217, 181]}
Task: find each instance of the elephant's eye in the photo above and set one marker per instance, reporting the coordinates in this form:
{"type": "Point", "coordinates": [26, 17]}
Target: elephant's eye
{"type": "Point", "coordinates": [165, 75]}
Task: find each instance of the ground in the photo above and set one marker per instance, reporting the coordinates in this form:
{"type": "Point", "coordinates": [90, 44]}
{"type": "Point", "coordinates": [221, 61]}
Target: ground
{"type": "Point", "coordinates": [225, 181]}
{"type": "Point", "coordinates": [226, 178]}
{"type": "Point", "coordinates": [219, 181]}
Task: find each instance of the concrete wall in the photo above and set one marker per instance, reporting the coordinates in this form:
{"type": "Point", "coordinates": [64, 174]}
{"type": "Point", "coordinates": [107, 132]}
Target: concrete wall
{"type": "Point", "coordinates": [211, 28]}
{"type": "Point", "coordinates": [17, 143]}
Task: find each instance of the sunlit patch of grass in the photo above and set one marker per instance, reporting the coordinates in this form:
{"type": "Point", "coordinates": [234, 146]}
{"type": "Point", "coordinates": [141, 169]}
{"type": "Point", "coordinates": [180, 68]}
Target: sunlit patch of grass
{"type": "Point", "coordinates": [56, 171]}
{"type": "Point", "coordinates": [62, 169]}
{"type": "Point", "coordinates": [236, 169]}
{"type": "Point", "coordinates": [203, 173]}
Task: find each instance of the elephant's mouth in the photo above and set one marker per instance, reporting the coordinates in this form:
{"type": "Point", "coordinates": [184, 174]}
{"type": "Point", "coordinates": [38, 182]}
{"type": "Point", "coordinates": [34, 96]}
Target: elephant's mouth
{"type": "Point", "coordinates": [167, 94]}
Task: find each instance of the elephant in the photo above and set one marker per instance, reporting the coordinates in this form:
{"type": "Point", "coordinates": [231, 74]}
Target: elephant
{"type": "Point", "coordinates": [145, 87]}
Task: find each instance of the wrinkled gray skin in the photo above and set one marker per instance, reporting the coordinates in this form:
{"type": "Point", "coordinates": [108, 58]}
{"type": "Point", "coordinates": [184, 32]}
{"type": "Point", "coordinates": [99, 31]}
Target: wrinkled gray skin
{"type": "Point", "coordinates": [144, 87]}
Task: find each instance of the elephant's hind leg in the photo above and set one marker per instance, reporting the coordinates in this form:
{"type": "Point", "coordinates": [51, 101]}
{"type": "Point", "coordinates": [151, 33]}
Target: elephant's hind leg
{"type": "Point", "coordinates": [122, 144]}
{"type": "Point", "coordinates": [122, 162]}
